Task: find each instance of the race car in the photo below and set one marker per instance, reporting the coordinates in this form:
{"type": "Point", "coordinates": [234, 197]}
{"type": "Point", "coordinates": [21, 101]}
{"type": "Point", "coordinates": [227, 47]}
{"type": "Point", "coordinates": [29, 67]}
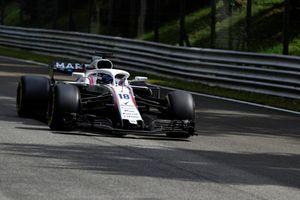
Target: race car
{"type": "Point", "coordinates": [104, 97]}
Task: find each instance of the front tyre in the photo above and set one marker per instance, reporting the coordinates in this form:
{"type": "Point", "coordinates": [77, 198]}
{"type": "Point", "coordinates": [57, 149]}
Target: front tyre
{"type": "Point", "coordinates": [64, 102]}
{"type": "Point", "coordinates": [181, 107]}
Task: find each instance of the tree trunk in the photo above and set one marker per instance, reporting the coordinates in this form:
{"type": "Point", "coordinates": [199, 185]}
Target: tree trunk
{"type": "Point", "coordinates": [142, 17]}
{"type": "Point", "coordinates": [230, 34]}
{"type": "Point", "coordinates": [21, 12]}
{"type": "Point", "coordinates": [286, 23]}
{"type": "Point", "coordinates": [37, 15]}
{"type": "Point", "coordinates": [90, 15]}
{"type": "Point", "coordinates": [183, 37]}
{"type": "Point", "coordinates": [228, 12]}
{"type": "Point", "coordinates": [2, 11]}
{"type": "Point", "coordinates": [132, 23]}
{"type": "Point", "coordinates": [110, 16]}
{"type": "Point", "coordinates": [97, 22]}
{"type": "Point", "coordinates": [226, 7]}
{"type": "Point", "coordinates": [213, 24]}
{"type": "Point", "coordinates": [156, 20]}
{"type": "Point", "coordinates": [55, 7]}
{"type": "Point", "coordinates": [71, 21]}
{"type": "Point", "coordinates": [248, 23]}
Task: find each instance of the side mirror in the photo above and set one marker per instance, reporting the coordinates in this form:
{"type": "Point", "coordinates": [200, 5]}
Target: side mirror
{"type": "Point", "coordinates": [140, 78]}
{"type": "Point", "coordinates": [78, 74]}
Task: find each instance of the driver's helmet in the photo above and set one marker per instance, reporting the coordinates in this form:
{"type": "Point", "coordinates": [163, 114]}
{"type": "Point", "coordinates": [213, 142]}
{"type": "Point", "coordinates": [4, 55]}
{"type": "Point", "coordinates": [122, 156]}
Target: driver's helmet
{"type": "Point", "coordinates": [107, 79]}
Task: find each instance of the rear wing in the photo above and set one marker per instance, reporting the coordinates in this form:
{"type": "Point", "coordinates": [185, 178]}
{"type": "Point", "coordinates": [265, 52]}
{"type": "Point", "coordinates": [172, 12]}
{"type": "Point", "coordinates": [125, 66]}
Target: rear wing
{"type": "Point", "coordinates": [67, 68]}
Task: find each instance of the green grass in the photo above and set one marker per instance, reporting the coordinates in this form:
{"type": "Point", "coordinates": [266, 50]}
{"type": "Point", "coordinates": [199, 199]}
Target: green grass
{"type": "Point", "coordinates": [12, 14]}
{"type": "Point", "coordinates": [27, 55]}
{"type": "Point", "coordinates": [280, 102]}
{"type": "Point", "coordinates": [294, 48]}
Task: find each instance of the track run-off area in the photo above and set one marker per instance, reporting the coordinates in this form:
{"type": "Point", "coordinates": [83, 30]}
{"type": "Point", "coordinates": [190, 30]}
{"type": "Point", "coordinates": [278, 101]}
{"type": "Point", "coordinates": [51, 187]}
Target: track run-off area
{"type": "Point", "coordinates": [241, 152]}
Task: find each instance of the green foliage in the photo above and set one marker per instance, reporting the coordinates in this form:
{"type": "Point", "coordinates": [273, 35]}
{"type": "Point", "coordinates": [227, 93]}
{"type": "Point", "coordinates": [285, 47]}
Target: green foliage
{"type": "Point", "coordinates": [266, 30]}
{"type": "Point", "coordinates": [195, 21]}
{"type": "Point", "coordinates": [12, 13]}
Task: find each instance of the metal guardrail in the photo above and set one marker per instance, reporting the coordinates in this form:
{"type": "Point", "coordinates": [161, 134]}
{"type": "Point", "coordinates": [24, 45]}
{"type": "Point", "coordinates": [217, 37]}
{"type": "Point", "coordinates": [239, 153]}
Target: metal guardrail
{"type": "Point", "coordinates": [268, 74]}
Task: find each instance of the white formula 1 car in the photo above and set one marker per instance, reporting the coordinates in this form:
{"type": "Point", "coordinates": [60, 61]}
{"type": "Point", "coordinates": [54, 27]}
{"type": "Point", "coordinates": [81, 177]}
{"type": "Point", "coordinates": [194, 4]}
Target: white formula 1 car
{"type": "Point", "coordinates": [103, 97]}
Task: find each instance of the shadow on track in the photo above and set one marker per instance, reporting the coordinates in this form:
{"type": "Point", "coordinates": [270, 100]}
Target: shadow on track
{"type": "Point", "coordinates": [180, 164]}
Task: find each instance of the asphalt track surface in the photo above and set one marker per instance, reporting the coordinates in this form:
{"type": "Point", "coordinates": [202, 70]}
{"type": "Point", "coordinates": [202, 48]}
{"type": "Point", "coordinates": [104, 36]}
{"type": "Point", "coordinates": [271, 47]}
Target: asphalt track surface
{"type": "Point", "coordinates": [242, 152]}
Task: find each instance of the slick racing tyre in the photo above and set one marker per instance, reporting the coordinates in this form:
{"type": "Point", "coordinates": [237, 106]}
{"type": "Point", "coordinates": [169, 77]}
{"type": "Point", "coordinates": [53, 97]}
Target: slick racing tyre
{"type": "Point", "coordinates": [181, 106]}
{"type": "Point", "coordinates": [64, 102]}
{"type": "Point", "coordinates": [32, 96]}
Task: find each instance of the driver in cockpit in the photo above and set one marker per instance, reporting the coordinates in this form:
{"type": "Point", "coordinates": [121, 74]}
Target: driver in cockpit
{"type": "Point", "coordinates": [95, 79]}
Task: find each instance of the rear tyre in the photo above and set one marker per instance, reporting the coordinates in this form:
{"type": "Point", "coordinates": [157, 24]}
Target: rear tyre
{"type": "Point", "coordinates": [32, 96]}
{"type": "Point", "coordinates": [181, 106]}
{"type": "Point", "coordinates": [64, 102]}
